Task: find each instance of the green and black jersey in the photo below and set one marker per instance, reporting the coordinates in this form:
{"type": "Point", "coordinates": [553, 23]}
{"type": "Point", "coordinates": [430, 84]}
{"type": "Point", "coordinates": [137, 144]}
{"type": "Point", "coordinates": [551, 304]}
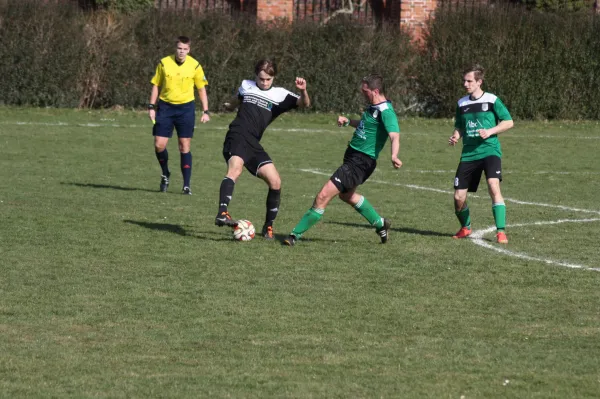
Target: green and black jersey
{"type": "Point", "coordinates": [372, 132]}
{"type": "Point", "coordinates": [485, 112]}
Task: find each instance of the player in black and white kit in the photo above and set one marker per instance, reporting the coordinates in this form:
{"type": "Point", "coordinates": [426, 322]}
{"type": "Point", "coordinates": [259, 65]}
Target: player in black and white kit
{"type": "Point", "coordinates": [259, 105]}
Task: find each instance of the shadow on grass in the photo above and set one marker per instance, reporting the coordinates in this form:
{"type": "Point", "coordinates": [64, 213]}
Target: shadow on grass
{"type": "Point", "coordinates": [407, 230]}
{"type": "Point", "coordinates": [177, 229]}
{"type": "Point", "coordinates": [109, 186]}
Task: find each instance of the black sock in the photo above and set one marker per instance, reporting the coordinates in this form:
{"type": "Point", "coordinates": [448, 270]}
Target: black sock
{"type": "Point", "coordinates": [186, 168]}
{"type": "Point", "coordinates": [273, 200]}
{"type": "Point", "coordinates": [225, 194]}
{"type": "Point", "coordinates": [163, 160]}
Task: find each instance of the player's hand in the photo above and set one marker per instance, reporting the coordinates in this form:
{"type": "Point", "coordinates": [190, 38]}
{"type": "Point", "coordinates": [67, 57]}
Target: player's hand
{"type": "Point", "coordinates": [152, 115]}
{"type": "Point", "coordinates": [484, 133]}
{"type": "Point", "coordinates": [396, 163]}
{"type": "Point", "coordinates": [342, 121]}
{"type": "Point", "coordinates": [205, 118]}
{"type": "Point", "coordinates": [453, 139]}
{"type": "Point", "coordinates": [300, 83]}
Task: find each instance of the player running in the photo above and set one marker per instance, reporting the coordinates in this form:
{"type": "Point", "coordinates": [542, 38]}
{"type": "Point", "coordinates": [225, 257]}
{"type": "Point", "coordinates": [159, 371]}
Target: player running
{"type": "Point", "coordinates": [371, 132]}
{"type": "Point", "coordinates": [480, 117]}
{"type": "Point", "coordinates": [259, 104]}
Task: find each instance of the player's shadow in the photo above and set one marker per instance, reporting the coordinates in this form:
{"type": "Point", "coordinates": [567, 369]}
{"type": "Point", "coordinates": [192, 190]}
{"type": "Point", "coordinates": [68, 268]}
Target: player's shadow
{"type": "Point", "coordinates": [407, 230]}
{"type": "Point", "coordinates": [176, 229]}
{"type": "Point", "coordinates": [108, 186]}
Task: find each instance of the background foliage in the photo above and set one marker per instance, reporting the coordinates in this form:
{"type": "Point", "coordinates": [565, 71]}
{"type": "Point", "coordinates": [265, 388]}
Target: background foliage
{"type": "Point", "coordinates": [541, 64]}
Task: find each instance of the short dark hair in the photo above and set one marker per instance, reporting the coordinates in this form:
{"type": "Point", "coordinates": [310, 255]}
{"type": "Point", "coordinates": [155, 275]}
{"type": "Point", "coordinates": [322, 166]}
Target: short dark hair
{"type": "Point", "coordinates": [266, 65]}
{"type": "Point", "coordinates": [374, 81]}
{"type": "Point", "coordinates": [477, 69]}
{"type": "Point", "coordinates": [184, 40]}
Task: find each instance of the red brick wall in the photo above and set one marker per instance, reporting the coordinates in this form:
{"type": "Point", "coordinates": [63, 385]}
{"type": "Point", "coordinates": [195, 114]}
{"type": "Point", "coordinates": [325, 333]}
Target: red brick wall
{"type": "Point", "coordinates": [267, 10]}
{"type": "Point", "coordinates": [414, 15]}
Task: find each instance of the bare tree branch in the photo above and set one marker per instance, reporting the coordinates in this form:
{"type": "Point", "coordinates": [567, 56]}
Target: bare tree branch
{"type": "Point", "coordinates": [344, 10]}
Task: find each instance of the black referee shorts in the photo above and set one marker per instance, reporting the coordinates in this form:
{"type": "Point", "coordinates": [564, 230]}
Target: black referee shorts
{"type": "Point", "coordinates": [355, 170]}
{"type": "Point", "coordinates": [468, 174]}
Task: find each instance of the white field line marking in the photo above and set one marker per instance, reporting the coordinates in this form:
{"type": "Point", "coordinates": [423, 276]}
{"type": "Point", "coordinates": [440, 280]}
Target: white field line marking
{"type": "Point", "coordinates": [477, 236]}
{"type": "Point", "coordinates": [477, 239]}
{"type": "Point", "coordinates": [436, 190]}
{"type": "Point", "coordinates": [292, 130]}
{"type": "Point", "coordinates": [505, 172]}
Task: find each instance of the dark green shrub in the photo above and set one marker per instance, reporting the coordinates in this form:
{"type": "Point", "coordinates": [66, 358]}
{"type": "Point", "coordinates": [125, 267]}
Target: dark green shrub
{"type": "Point", "coordinates": [541, 64]}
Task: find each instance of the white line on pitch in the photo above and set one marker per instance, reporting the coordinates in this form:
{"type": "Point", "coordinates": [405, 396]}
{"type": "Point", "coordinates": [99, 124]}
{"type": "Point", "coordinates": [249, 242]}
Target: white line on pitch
{"type": "Point", "coordinates": [277, 129]}
{"type": "Point", "coordinates": [477, 239]}
{"type": "Point", "coordinates": [436, 190]}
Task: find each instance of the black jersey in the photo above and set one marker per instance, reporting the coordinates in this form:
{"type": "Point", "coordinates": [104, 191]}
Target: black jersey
{"type": "Point", "coordinates": [258, 108]}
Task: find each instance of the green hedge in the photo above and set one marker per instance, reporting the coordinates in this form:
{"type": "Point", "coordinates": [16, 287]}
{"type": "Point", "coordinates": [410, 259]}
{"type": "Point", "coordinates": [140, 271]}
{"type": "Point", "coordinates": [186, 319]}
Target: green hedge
{"type": "Point", "coordinates": [543, 65]}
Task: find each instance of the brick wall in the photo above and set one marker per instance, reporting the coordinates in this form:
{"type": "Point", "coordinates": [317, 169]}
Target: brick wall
{"type": "Point", "coordinates": [414, 15]}
{"type": "Point", "coordinates": [267, 10]}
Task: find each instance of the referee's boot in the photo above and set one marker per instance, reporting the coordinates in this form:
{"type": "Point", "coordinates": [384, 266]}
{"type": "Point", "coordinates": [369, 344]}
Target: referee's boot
{"type": "Point", "coordinates": [383, 232]}
{"type": "Point", "coordinates": [164, 183]}
{"type": "Point", "coordinates": [224, 219]}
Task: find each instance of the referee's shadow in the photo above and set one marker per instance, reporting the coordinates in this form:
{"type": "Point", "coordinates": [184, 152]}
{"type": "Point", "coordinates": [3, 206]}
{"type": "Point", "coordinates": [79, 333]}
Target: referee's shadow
{"type": "Point", "coordinates": [407, 230]}
{"type": "Point", "coordinates": [108, 186]}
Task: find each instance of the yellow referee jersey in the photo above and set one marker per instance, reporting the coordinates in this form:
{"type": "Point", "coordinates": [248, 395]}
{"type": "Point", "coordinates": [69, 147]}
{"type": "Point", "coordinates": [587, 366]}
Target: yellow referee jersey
{"type": "Point", "coordinates": [177, 82]}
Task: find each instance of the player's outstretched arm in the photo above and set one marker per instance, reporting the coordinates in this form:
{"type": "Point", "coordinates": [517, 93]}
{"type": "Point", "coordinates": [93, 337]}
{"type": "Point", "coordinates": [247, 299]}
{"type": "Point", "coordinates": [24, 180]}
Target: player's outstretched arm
{"type": "Point", "coordinates": [304, 100]}
{"type": "Point", "coordinates": [395, 139]}
{"type": "Point", "coordinates": [342, 121]}
{"type": "Point", "coordinates": [232, 104]}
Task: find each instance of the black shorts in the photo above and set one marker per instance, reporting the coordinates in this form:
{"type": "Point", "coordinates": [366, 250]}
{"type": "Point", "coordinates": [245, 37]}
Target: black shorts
{"type": "Point", "coordinates": [355, 170]}
{"type": "Point", "coordinates": [248, 148]}
{"type": "Point", "coordinates": [180, 116]}
{"type": "Point", "coordinates": [468, 173]}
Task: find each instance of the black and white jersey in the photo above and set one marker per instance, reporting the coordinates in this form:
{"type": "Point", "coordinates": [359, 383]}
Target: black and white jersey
{"type": "Point", "coordinates": [258, 108]}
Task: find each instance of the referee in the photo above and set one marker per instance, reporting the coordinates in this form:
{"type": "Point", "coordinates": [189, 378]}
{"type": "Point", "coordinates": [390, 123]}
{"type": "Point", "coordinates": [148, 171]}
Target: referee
{"type": "Point", "coordinates": [175, 78]}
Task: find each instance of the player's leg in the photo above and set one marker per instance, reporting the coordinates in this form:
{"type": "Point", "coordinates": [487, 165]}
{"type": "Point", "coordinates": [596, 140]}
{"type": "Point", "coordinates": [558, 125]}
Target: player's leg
{"type": "Point", "coordinates": [466, 179]}
{"type": "Point", "coordinates": [235, 166]}
{"type": "Point", "coordinates": [162, 131]}
{"type": "Point", "coordinates": [269, 174]}
{"type": "Point", "coordinates": [364, 207]}
{"type": "Point", "coordinates": [493, 173]}
{"type": "Point", "coordinates": [184, 124]}
{"type": "Point", "coordinates": [314, 214]}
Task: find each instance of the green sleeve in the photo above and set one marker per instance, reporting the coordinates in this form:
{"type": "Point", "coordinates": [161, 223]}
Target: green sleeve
{"type": "Point", "coordinates": [457, 120]}
{"type": "Point", "coordinates": [390, 121]}
{"type": "Point", "coordinates": [501, 110]}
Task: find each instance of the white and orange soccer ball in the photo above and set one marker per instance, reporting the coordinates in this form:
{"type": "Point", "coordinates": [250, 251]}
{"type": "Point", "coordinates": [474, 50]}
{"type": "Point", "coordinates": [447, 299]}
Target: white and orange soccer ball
{"type": "Point", "coordinates": [243, 231]}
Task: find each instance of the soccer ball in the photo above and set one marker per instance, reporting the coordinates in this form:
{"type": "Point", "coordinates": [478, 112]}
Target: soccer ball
{"type": "Point", "coordinates": [244, 231]}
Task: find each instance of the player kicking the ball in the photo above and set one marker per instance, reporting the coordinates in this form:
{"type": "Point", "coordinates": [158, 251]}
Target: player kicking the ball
{"type": "Point", "coordinates": [480, 117]}
{"type": "Point", "coordinates": [377, 123]}
{"type": "Point", "coordinates": [259, 104]}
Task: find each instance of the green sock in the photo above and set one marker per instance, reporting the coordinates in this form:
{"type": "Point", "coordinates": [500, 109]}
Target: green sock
{"type": "Point", "coordinates": [365, 208]}
{"type": "Point", "coordinates": [310, 218]}
{"type": "Point", "coordinates": [499, 211]}
{"type": "Point", "coordinates": [464, 217]}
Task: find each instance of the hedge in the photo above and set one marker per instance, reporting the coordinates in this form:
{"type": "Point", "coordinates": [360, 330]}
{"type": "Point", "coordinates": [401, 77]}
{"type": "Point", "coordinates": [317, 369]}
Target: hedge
{"type": "Point", "coordinates": [541, 64]}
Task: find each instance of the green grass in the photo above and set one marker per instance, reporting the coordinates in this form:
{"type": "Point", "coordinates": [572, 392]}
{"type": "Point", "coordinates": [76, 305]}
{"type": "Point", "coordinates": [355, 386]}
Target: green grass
{"type": "Point", "coordinates": [111, 289]}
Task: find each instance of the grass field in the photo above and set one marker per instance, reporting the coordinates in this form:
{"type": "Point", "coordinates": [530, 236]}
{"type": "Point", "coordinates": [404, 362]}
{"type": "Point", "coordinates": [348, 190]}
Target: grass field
{"type": "Point", "coordinates": [111, 289]}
